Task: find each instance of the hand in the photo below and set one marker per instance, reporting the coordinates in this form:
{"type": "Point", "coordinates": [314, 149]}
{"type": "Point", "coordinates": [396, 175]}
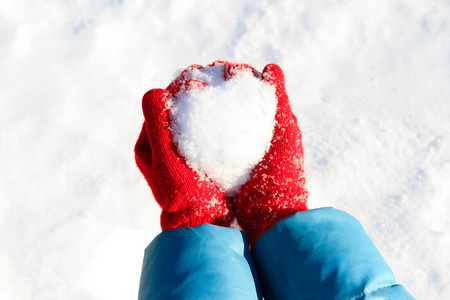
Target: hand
{"type": "Point", "coordinates": [276, 188]}
{"type": "Point", "coordinates": [186, 197]}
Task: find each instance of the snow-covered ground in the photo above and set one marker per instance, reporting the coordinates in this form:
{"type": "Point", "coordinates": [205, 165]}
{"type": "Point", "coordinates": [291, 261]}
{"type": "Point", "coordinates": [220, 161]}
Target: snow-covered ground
{"type": "Point", "coordinates": [368, 79]}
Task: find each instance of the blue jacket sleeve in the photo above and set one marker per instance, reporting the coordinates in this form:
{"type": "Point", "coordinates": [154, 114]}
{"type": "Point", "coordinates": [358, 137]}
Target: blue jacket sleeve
{"type": "Point", "coordinates": [322, 254]}
{"type": "Point", "coordinates": [201, 262]}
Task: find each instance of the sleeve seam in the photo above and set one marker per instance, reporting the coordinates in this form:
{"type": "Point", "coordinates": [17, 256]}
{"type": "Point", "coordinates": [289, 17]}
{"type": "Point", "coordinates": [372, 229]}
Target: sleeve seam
{"type": "Point", "coordinates": [363, 293]}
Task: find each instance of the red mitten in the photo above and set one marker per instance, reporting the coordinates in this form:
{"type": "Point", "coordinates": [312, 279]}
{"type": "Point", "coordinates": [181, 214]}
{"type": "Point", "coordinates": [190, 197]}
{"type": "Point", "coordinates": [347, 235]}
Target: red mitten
{"type": "Point", "coordinates": [276, 188]}
{"type": "Point", "coordinates": [186, 198]}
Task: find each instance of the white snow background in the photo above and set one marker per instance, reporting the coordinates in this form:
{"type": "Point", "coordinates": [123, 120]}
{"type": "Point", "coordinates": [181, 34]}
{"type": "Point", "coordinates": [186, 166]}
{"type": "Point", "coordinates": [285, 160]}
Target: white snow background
{"type": "Point", "coordinates": [368, 79]}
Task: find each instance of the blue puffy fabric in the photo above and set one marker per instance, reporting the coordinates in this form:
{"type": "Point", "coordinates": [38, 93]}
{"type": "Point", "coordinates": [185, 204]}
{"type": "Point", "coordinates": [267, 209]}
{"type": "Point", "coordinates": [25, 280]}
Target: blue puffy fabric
{"type": "Point", "coordinates": [322, 254]}
{"type": "Point", "coordinates": [201, 262]}
{"type": "Point", "coordinates": [317, 254]}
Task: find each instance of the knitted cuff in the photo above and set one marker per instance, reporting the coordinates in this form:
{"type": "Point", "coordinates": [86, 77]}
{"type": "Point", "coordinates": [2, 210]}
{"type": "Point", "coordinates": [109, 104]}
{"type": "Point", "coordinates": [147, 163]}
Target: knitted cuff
{"type": "Point", "coordinates": [261, 215]}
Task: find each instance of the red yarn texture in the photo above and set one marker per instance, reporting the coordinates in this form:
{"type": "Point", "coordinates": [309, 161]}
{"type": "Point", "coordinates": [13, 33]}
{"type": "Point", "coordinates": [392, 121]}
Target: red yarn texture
{"type": "Point", "coordinates": [186, 198]}
{"type": "Point", "coordinates": [274, 191]}
{"type": "Point", "coordinates": [276, 187]}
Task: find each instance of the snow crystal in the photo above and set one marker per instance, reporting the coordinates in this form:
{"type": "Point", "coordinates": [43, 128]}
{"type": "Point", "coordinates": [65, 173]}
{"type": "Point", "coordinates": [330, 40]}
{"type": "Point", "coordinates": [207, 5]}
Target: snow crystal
{"type": "Point", "coordinates": [224, 129]}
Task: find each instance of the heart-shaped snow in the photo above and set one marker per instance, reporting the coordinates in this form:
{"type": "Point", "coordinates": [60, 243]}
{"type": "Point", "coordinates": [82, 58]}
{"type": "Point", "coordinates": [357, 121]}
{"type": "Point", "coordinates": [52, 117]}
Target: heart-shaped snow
{"type": "Point", "coordinates": [224, 129]}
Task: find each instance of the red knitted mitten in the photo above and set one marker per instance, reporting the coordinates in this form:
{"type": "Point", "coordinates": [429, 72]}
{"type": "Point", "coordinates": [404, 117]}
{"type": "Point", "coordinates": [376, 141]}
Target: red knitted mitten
{"type": "Point", "coordinates": [276, 188]}
{"type": "Point", "coordinates": [186, 198]}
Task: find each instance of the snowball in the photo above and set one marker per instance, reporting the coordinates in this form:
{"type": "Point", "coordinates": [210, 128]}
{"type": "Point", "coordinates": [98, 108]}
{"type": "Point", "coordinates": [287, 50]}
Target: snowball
{"type": "Point", "coordinates": [224, 129]}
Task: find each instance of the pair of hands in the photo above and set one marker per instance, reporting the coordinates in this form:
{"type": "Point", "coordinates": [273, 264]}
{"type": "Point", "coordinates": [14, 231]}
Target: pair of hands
{"type": "Point", "coordinates": [188, 198]}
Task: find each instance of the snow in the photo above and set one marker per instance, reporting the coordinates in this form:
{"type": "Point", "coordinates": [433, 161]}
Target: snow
{"type": "Point", "coordinates": [368, 80]}
{"type": "Point", "coordinates": [224, 128]}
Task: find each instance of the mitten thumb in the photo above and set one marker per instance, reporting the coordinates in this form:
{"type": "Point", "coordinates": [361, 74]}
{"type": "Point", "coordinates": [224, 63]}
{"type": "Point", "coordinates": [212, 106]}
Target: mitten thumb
{"type": "Point", "coordinates": [273, 74]}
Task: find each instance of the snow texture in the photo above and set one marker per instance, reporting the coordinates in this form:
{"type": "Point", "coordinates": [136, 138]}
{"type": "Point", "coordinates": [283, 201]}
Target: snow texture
{"type": "Point", "coordinates": [224, 129]}
{"type": "Point", "coordinates": [368, 80]}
